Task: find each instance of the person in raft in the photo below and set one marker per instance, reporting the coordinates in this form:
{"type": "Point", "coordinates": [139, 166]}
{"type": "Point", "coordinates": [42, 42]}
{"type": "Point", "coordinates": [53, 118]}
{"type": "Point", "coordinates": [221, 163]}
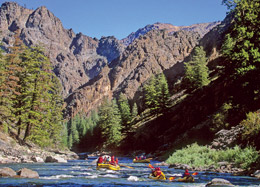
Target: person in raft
{"type": "Point", "coordinates": [112, 160]}
{"type": "Point", "coordinates": [157, 172]}
{"type": "Point", "coordinates": [100, 160]}
{"type": "Point", "coordinates": [186, 174]}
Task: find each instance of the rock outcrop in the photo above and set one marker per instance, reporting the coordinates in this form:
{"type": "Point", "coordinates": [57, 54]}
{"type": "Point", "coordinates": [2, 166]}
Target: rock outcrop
{"type": "Point", "coordinates": [7, 172]}
{"type": "Point", "coordinates": [201, 29]}
{"type": "Point", "coordinates": [12, 152]}
{"type": "Point", "coordinates": [256, 174]}
{"type": "Point", "coordinates": [152, 53]}
{"type": "Point", "coordinates": [110, 47]}
{"type": "Point", "coordinates": [22, 173]}
{"type": "Point", "coordinates": [55, 159]}
{"type": "Point", "coordinates": [227, 138]}
{"type": "Point", "coordinates": [27, 173]}
{"type": "Point", "coordinates": [219, 182]}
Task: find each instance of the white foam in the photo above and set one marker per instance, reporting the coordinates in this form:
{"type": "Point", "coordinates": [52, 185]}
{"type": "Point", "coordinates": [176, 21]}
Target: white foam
{"type": "Point", "coordinates": [175, 175]}
{"type": "Point", "coordinates": [133, 178]}
{"type": "Point", "coordinates": [111, 176]}
{"type": "Point", "coordinates": [111, 171]}
{"type": "Point", "coordinates": [57, 177]}
{"type": "Point", "coordinates": [92, 177]}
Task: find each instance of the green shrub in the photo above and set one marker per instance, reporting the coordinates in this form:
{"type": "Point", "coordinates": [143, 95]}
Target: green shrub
{"type": "Point", "coordinates": [202, 156]}
{"type": "Point", "coordinates": [251, 127]}
{"type": "Point", "coordinates": [219, 120]}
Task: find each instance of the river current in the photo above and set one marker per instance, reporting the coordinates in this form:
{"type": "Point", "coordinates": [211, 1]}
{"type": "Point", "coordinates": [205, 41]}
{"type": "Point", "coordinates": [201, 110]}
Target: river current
{"type": "Point", "coordinates": [82, 173]}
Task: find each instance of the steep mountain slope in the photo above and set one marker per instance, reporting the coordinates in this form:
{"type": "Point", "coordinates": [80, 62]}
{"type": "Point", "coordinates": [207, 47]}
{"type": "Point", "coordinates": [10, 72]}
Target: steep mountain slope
{"type": "Point", "coordinates": [191, 118]}
{"type": "Point", "coordinates": [91, 69]}
{"type": "Point", "coordinates": [152, 53]}
{"type": "Point", "coordinates": [74, 56]}
{"type": "Point", "coordinates": [201, 28]}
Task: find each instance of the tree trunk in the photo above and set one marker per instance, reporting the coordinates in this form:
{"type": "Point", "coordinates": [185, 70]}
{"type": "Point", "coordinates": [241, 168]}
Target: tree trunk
{"type": "Point", "coordinates": [27, 131]}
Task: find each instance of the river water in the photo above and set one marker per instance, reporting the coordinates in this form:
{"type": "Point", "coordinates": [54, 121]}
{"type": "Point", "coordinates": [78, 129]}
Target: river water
{"type": "Point", "coordinates": [83, 173]}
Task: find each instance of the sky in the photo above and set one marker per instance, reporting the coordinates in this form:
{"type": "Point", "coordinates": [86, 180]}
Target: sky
{"type": "Point", "coordinates": [97, 18]}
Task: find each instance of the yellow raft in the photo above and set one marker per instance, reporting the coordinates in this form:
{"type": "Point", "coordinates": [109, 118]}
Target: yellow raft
{"type": "Point", "coordinates": [161, 177]}
{"type": "Point", "coordinates": [142, 161]}
{"type": "Point", "coordinates": [186, 179]}
{"type": "Point", "coordinates": [108, 166]}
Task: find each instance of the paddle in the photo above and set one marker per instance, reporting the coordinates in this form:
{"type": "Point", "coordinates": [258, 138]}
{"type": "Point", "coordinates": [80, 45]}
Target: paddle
{"type": "Point", "coordinates": [126, 166]}
{"type": "Point", "coordinates": [150, 166]}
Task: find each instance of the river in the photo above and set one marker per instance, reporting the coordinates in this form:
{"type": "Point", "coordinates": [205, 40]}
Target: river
{"type": "Point", "coordinates": [83, 173]}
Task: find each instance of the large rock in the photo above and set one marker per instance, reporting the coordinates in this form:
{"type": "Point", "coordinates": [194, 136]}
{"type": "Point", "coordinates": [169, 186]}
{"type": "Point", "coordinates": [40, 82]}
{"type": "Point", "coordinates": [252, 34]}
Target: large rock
{"type": "Point", "coordinates": [7, 172]}
{"type": "Point", "coordinates": [227, 138]}
{"type": "Point", "coordinates": [218, 182]}
{"type": "Point", "coordinates": [37, 159]}
{"type": "Point", "coordinates": [55, 159]}
{"type": "Point", "coordinates": [256, 174]}
{"type": "Point", "coordinates": [27, 173]}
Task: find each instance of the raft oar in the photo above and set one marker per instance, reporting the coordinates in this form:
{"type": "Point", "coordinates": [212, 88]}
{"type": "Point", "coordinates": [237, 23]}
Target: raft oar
{"type": "Point", "coordinates": [150, 166]}
{"type": "Point", "coordinates": [126, 166]}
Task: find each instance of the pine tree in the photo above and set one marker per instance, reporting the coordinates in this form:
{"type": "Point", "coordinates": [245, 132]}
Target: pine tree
{"type": "Point", "coordinates": [125, 112]}
{"type": "Point", "coordinates": [9, 86]}
{"type": "Point", "coordinates": [40, 98]}
{"type": "Point", "coordinates": [115, 130]}
{"type": "Point", "coordinates": [110, 124]}
{"type": "Point", "coordinates": [70, 141]}
{"type": "Point", "coordinates": [157, 94]}
{"type": "Point", "coordinates": [64, 134]}
{"type": "Point", "coordinates": [163, 93]}
{"type": "Point", "coordinates": [134, 112]}
{"type": "Point", "coordinates": [74, 132]}
{"type": "Point", "coordinates": [241, 52]}
{"type": "Point", "coordinates": [241, 48]}
{"type": "Point", "coordinates": [196, 70]}
{"type": "Point", "coordinates": [151, 95]}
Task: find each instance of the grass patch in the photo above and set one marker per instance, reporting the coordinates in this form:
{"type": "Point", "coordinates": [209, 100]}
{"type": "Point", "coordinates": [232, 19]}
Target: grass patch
{"type": "Point", "coordinates": [202, 156]}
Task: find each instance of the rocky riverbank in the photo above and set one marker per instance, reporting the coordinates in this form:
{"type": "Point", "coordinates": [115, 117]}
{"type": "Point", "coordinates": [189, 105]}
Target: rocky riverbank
{"type": "Point", "coordinates": [12, 152]}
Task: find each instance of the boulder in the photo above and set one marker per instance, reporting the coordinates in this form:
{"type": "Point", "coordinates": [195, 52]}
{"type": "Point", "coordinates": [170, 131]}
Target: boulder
{"type": "Point", "coordinates": [257, 174]}
{"type": "Point", "coordinates": [27, 173]}
{"type": "Point", "coordinates": [218, 182]}
{"type": "Point", "coordinates": [26, 159]}
{"type": "Point", "coordinates": [55, 159]}
{"type": "Point", "coordinates": [37, 159]}
{"type": "Point", "coordinates": [7, 172]}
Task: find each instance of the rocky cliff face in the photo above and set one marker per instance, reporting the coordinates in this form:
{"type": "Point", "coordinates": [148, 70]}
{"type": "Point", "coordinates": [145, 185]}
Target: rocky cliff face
{"type": "Point", "coordinates": [91, 69]}
{"type": "Point", "coordinates": [110, 47]}
{"type": "Point", "coordinates": [152, 53]}
{"type": "Point", "coordinates": [74, 56]}
{"type": "Point", "coordinates": [201, 29]}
